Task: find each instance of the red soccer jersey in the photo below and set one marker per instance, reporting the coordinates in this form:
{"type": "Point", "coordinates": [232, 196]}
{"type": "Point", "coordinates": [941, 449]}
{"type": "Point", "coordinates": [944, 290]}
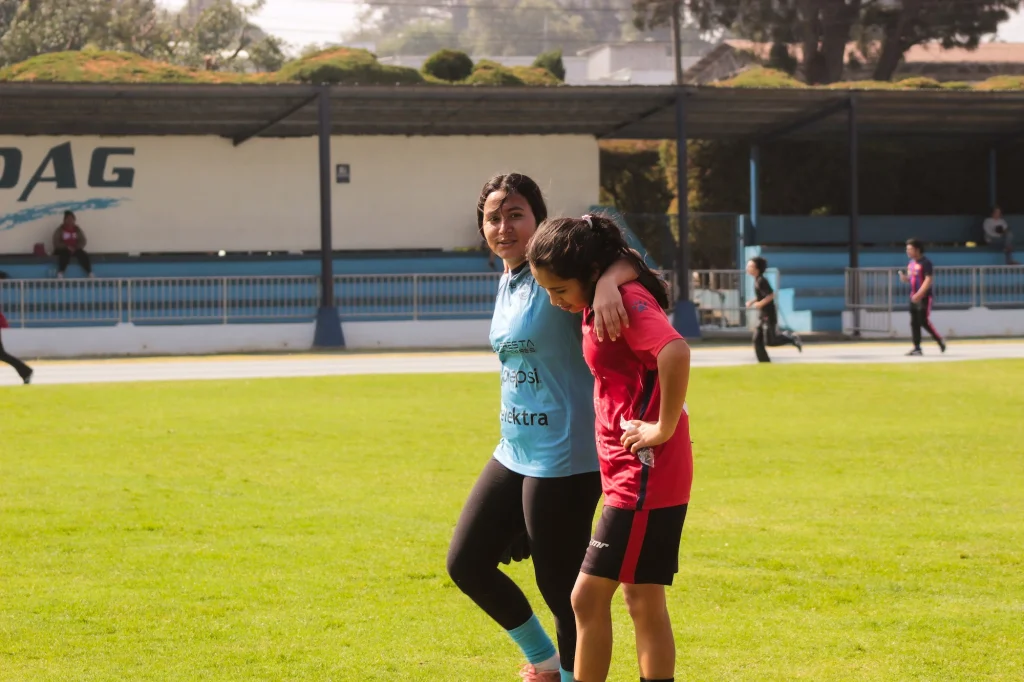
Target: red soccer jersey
{"type": "Point", "coordinates": [626, 386]}
{"type": "Point", "coordinates": [3, 322]}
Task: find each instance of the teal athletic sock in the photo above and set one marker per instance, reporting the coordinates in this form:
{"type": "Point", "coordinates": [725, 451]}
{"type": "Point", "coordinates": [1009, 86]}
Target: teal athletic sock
{"type": "Point", "coordinates": [535, 643]}
{"type": "Point", "coordinates": [566, 675]}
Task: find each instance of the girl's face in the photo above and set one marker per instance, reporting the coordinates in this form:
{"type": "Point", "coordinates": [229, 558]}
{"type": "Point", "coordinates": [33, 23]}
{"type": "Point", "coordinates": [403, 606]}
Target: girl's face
{"type": "Point", "coordinates": [571, 295]}
{"type": "Point", "coordinates": [751, 268]}
{"type": "Point", "coordinates": [508, 225]}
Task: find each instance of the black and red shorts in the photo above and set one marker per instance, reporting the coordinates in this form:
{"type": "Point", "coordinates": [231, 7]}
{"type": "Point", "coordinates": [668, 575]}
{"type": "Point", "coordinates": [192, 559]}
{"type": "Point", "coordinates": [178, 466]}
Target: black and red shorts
{"type": "Point", "coordinates": [636, 547]}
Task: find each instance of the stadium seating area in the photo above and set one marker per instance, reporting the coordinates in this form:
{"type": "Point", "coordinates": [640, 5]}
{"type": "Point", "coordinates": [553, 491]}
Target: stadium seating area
{"type": "Point", "coordinates": [811, 256]}
{"type": "Point", "coordinates": [808, 253]}
{"type": "Point", "coordinates": [247, 288]}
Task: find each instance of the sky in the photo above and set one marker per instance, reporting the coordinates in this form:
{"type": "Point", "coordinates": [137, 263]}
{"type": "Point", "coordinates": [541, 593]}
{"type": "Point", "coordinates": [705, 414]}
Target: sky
{"type": "Point", "coordinates": [301, 22]}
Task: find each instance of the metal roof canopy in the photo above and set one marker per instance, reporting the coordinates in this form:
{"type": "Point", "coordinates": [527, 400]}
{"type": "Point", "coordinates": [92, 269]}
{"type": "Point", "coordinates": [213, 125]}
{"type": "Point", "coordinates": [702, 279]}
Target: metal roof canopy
{"type": "Point", "coordinates": [241, 112]}
{"type": "Point", "coordinates": [625, 112]}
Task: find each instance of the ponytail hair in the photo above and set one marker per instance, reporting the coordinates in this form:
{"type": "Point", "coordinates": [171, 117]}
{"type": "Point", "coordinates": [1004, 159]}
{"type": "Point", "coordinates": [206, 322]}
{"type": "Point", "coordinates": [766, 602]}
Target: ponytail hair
{"type": "Point", "coordinates": [583, 248]}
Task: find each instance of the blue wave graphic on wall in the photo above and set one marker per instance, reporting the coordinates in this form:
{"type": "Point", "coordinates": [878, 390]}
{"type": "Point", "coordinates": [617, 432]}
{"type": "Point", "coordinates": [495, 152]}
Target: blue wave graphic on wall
{"type": "Point", "coordinates": [28, 215]}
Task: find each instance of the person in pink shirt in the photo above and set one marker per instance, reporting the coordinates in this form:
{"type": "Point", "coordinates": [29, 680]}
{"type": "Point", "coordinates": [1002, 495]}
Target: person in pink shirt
{"type": "Point", "coordinates": [69, 241]}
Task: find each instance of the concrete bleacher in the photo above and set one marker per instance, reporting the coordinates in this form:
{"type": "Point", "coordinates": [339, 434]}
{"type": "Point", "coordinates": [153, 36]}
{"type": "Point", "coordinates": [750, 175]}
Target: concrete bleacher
{"type": "Point", "coordinates": [246, 264]}
{"type": "Point", "coordinates": [266, 295]}
{"type": "Point", "coordinates": [170, 289]}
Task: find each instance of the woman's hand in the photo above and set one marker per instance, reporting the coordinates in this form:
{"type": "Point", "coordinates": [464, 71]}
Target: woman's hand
{"type": "Point", "coordinates": [644, 435]}
{"type": "Point", "coordinates": [609, 314]}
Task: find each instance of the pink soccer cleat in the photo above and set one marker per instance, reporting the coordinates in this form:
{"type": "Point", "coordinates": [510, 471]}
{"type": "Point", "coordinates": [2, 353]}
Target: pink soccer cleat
{"type": "Point", "coordinates": [531, 674]}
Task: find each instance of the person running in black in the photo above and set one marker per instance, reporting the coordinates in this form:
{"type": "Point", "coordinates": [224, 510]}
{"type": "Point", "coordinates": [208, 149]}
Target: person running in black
{"type": "Point", "coordinates": [920, 276]}
{"type": "Point", "coordinates": [23, 370]}
{"type": "Point", "coordinates": [768, 332]}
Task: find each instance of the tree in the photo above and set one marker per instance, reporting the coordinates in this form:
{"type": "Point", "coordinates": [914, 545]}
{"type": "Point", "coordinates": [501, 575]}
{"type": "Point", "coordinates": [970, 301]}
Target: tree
{"type": "Point", "coordinates": [823, 28]}
{"type": "Point", "coordinates": [222, 37]}
{"type": "Point", "coordinates": [954, 23]}
{"type": "Point", "coordinates": [138, 26]}
{"type": "Point", "coordinates": [422, 36]}
{"type": "Point", "coordinates": [413, 27]}
{"type": "Point", "coordinates": [8, 8]}
{"type": "Point", "coordinates": [520, 28]}
{"type": "Point", "coordinates": [779, 58]}
{"type": "Point", "coordinates": [41, 26]}
{"type": "Point", "coordinates": [524, 27]}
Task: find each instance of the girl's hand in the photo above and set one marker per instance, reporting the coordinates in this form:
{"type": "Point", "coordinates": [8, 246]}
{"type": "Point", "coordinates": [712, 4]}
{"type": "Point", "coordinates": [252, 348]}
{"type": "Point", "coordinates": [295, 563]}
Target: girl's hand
{"type": "Point", "coordinates": [609, 314]}
{"type": "Point", "coordinates": [645, 435]}
{"type": "Point", "coordinates": [751, 302]}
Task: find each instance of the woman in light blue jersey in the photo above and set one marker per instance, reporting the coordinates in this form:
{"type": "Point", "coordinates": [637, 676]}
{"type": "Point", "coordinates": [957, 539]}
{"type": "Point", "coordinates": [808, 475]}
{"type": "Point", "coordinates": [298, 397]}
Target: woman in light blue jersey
{"type": "Point", "coordinates": [538, 493]}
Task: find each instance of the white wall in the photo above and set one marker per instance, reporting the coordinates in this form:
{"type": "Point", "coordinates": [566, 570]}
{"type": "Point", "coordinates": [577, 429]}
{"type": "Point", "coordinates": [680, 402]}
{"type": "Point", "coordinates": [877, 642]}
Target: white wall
{"type": "Point", "coordinates": [128, 339]}
{"type": "Point", "coordinates": [201, 194]}
{"type": "Point", "coordinates": [422, 191]}
{"type": "Point", "coordinates": [975, 322]}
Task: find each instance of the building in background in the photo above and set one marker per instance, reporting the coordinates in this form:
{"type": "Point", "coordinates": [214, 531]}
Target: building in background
{"type": "Point", "coordinates": [629, 63]}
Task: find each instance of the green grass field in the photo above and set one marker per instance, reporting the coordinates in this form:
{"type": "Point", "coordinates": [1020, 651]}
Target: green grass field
{"type": "Point", "coordinates": [847, 523]}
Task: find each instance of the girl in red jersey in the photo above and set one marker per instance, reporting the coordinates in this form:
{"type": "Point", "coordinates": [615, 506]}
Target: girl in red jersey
{"type": "Point", "coordinates": [643, 440]}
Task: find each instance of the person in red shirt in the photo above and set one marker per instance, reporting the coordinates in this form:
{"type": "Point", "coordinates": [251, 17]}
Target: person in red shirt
{"type": "Point", "coordinates": [69, 240]}
{"type": "Point", "coordinates": [643, 437]}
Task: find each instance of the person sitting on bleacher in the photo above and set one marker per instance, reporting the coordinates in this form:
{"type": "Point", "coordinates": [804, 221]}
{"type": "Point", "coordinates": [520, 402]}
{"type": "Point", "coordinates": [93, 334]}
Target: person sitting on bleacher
{"type": "Point", "coordinates": [69, 240]}
{"type": "Point", "coordinates": [998, 235]}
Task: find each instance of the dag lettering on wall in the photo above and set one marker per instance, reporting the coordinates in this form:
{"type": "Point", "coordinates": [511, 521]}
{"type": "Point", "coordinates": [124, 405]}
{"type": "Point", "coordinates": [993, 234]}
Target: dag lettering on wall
{"type": "Point", "coordinates": [201, 194]}
{"type": "Point", "coordinates": [21, 177]}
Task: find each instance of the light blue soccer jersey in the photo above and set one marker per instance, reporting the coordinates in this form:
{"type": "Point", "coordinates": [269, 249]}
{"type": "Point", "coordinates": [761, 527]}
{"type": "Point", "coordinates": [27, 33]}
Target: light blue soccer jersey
{"type": "Point", "coordinates": [547, 390]}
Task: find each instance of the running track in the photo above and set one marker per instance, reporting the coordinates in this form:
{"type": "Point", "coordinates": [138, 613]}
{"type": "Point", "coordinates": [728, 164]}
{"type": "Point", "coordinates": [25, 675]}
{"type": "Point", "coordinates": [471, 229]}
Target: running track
{"type": "Point", "coordinates": [307, 365]}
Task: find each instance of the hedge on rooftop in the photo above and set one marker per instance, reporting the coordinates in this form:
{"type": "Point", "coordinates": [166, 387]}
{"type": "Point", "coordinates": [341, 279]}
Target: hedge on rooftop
{"type": "Point", "coordinates": [348, 66]}
{"type": "Point", "coordinates": [773, 79]}
{"type": "Point", "coordinates": [335, 66]}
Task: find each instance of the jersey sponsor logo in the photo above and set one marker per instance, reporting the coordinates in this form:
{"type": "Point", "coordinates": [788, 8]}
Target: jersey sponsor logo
{"type": "Point", "coordinates": [523, 347]}
{"type": "Point", "coordinates": [639, 306]}
{"type": "Point", "coordinates": [520, 417]}
{"type": "Point", "coordinates": [520, 377]}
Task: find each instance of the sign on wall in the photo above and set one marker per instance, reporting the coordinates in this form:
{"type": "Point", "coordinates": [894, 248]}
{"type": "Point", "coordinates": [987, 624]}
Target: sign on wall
{"type": "Point", "coordinates": [201, 194]}
{"type": "Point", "coordinates": [21, 175]}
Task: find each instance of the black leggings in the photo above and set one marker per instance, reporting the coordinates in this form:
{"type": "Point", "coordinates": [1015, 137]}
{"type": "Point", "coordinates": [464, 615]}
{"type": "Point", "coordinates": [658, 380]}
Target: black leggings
{"type": "Point", "coordinates": [19, 366]}
{"type": "Point", "coordinates": [769, 334]}
{"type": "Point", "coordinates": [64, 257]}
{"type": "Point", "coordinates": [557, 514]}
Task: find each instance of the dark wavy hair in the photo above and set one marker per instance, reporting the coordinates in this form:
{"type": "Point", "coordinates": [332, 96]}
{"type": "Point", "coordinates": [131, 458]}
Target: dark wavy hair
{"type": "Point", "coordinates": [583, 248]}
{"type": "Point", "coordinates": [512, 183]}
